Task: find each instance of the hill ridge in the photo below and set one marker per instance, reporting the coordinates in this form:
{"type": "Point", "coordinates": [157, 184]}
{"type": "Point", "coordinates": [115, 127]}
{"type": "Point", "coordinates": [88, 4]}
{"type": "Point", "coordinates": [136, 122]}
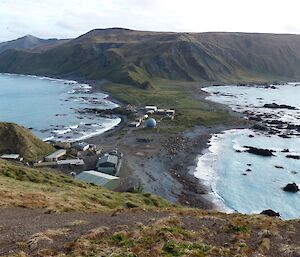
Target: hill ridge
{"type": "Point", "coordinates": [140, 57]}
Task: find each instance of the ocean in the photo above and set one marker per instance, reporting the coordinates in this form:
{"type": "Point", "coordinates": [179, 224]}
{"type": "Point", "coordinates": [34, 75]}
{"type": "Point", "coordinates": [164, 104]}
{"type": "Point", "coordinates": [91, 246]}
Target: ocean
{"type": "Point", "coordinates": [50, 107]}
{"type": "Point", "coordinates": [244, 182]}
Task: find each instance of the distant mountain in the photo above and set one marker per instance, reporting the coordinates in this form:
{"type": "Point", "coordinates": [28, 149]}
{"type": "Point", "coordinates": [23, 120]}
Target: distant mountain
{"type": "Point", "coordinates": [16, 139]}
{"type": "Point", "coordinates": [28, 42]}
{"type": "Point", "coordinates": [139, 57]}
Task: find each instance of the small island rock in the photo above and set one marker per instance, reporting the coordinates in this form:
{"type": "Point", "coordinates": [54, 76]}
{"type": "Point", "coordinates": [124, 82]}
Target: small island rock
{"type": "Point", "coordinates": [292, 187]}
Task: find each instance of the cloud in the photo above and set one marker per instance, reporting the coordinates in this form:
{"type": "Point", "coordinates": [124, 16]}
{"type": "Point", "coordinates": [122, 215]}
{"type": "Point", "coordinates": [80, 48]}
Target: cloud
{"type": "Point", "coordinates": [70, 18]}
{"type": "Point", "coordinates": [292, 28]}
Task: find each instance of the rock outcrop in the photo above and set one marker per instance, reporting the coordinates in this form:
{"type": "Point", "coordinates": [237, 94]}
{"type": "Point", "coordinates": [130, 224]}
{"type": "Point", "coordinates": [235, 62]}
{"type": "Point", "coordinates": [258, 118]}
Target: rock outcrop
{"type": "Point", "coordinates": [270, 213]}
{"type": "Point", "coordinates": [292, 187]}
{"type": "Point", "coordinates": [259, 151]}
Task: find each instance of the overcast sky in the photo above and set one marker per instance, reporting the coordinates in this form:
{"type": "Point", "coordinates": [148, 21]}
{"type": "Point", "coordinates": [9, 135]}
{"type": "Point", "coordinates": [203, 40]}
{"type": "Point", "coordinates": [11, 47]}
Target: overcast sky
{"type": "Point", "coordinates": [71, 18]}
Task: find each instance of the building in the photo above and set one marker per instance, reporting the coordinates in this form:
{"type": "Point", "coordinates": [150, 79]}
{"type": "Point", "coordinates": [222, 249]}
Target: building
{"type": "Point", "coordinates": [61, 145]}
{"type": "Point", "coordinates": [167, 112]}
{"type": "Point", "coordinates": [96, 149]}
{"type": "Point", "coordinates": [77, 162]}
{"type": "Point", "coordinates": [98, 178]}
{"type": "Point", "coordinates": [56, 155]}
{"type": "Point", "coordinates": [151, 123]}
{"type": "Point", "coordinates": [139, 119]}
{"type": "Point", "coordinates": [151, 108]}
{"type": "Point", "coordinates": [109, 163]}
{"type": "Point", "coordinates": [134, 124]}
{"type": "Point", "coordinates": [15, 157]}
{"type": "Point", "coordinates": [44, 164]}
{"type": "Point", "coordinates": [150, 112]}
{"type": "Point", "coordinates": [81, 146]}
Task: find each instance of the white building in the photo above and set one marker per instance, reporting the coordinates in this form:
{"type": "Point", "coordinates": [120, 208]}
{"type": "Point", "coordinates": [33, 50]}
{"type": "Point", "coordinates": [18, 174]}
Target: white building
{"type": "Point", "coordinates": [15, 157]}
{"type": "Point", "coordinates": [151, 108]}
{"type": "Point", "coordinates": [56, 155]}
{"type": "Point", "coordinates": [77, 162]}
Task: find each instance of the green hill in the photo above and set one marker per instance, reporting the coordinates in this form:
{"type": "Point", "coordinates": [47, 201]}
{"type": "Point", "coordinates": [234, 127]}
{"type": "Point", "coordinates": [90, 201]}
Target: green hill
{"type": "Point", "coordinates": [16, 139]}
{"type": "Point", "coordinates": [138, 57]}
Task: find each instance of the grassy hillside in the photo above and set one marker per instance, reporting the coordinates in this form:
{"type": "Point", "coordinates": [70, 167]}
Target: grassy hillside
{"type": "Point", "coordinates": [126, 224]}
{"type": "Point", "coordinates": [137, 57]}
{"type": "Point", "coordinates": [175, 95]}
{"type": "Point", "coordinates": [42, 188]}
{"type": "Point", "coordinates": [16, 139]}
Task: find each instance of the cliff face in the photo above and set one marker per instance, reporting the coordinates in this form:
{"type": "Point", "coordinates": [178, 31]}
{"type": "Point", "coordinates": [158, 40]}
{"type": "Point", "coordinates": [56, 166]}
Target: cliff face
{"type": "Point", "coordinates": [135, 57]}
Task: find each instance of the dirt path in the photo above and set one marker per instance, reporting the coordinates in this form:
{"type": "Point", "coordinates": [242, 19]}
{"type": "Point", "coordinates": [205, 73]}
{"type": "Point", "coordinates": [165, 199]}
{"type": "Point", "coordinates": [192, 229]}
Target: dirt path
{"type": "Point", "coordinates": [30, 230]}
{"type": "Point", "coordinates": [40, 234]}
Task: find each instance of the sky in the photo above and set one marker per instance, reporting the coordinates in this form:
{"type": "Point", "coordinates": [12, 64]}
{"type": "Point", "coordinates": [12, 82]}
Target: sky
{"type": "Point", "coordinates": [71, 18]}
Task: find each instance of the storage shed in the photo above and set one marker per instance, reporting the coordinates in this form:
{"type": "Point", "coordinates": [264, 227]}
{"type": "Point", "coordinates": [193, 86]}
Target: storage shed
{"type": "Point", "coordinates": [98, 178]}
{"type": "Point", "coordinates": [109, 164]}
{"type": "Point", "coordinates": [56, 155]}
{"type": "Point", "coordinates": [81, 146]}
{"type": "Point", "coordinates": [11, 157]}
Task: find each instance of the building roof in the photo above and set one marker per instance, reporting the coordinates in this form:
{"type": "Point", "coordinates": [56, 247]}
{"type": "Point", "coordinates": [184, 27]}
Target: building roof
{"type": "Point", "coordinates": [71, 161]}
{"type": "Point", "coordinates": [81, 145]}
{"type": "Point", "coordinates": [108, 158]}
{"type": "Point", "coordinates": [10, 156]}
{"type": "Point", "coordinates": [166, 110]}
{"type": "Point", "coordinates": [151, 107]}
{"type": "Point", "coordinates": [57, 153]}
{"type": "Point", "coordinates": [98, 178]}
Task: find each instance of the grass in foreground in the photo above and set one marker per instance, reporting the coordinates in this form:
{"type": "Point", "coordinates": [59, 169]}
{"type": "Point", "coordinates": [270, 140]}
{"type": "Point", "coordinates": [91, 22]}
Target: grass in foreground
{"type": "Point", "coordinates": [183, 233]}
{"type": "Point", "coordinates": [35, 188]}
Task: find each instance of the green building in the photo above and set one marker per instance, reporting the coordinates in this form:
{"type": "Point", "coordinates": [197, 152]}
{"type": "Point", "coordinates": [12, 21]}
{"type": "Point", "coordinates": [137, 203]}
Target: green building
{"type": "Point", "coordinates": [98, 178]}
{"type": "Point", "coordinates": [109, 164]}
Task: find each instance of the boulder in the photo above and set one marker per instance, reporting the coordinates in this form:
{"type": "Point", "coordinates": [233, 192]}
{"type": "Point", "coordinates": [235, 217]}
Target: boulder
{"type": "Point", "coordinates": [295, 157]}
{"type": "Point", "coordinates": [260, 127]}
{"type": "Point", "coordinates": [278, 167]}
{"type": "Point", "coordinates": [270, 213]}
{"type": "Point", "coordinates": [292, 187]}
{"type": "Point", "coordinates": [258, 151]}
{"type": "Point", "coordinates": [279, 106]}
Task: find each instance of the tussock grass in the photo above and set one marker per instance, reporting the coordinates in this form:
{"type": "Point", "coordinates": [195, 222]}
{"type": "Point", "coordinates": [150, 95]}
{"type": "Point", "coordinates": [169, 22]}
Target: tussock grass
{"type": "Point", "coordinates": [35, 188]}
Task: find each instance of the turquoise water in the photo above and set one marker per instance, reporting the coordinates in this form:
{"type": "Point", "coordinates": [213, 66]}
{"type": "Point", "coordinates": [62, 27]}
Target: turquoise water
{"type": "Point", "coordinates": [50, 107]}
{"type": "Point", "coordinates": [224, 170]}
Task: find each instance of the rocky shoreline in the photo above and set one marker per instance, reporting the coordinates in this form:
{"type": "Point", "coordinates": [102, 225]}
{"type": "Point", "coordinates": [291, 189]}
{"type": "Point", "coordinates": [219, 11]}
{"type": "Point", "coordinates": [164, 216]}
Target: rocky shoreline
{"type": "Point", "coordinates": [165, 165]}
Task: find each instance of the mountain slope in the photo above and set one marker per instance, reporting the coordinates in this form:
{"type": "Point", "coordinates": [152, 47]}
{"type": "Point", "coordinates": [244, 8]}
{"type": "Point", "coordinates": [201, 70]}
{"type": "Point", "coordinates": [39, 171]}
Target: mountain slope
{"type": "Point", "coordinates": [138, 57]}
{"type": "Point", "coordinates": [28, 42]}
{"type": "Point", "coordinates": [16, 139]}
